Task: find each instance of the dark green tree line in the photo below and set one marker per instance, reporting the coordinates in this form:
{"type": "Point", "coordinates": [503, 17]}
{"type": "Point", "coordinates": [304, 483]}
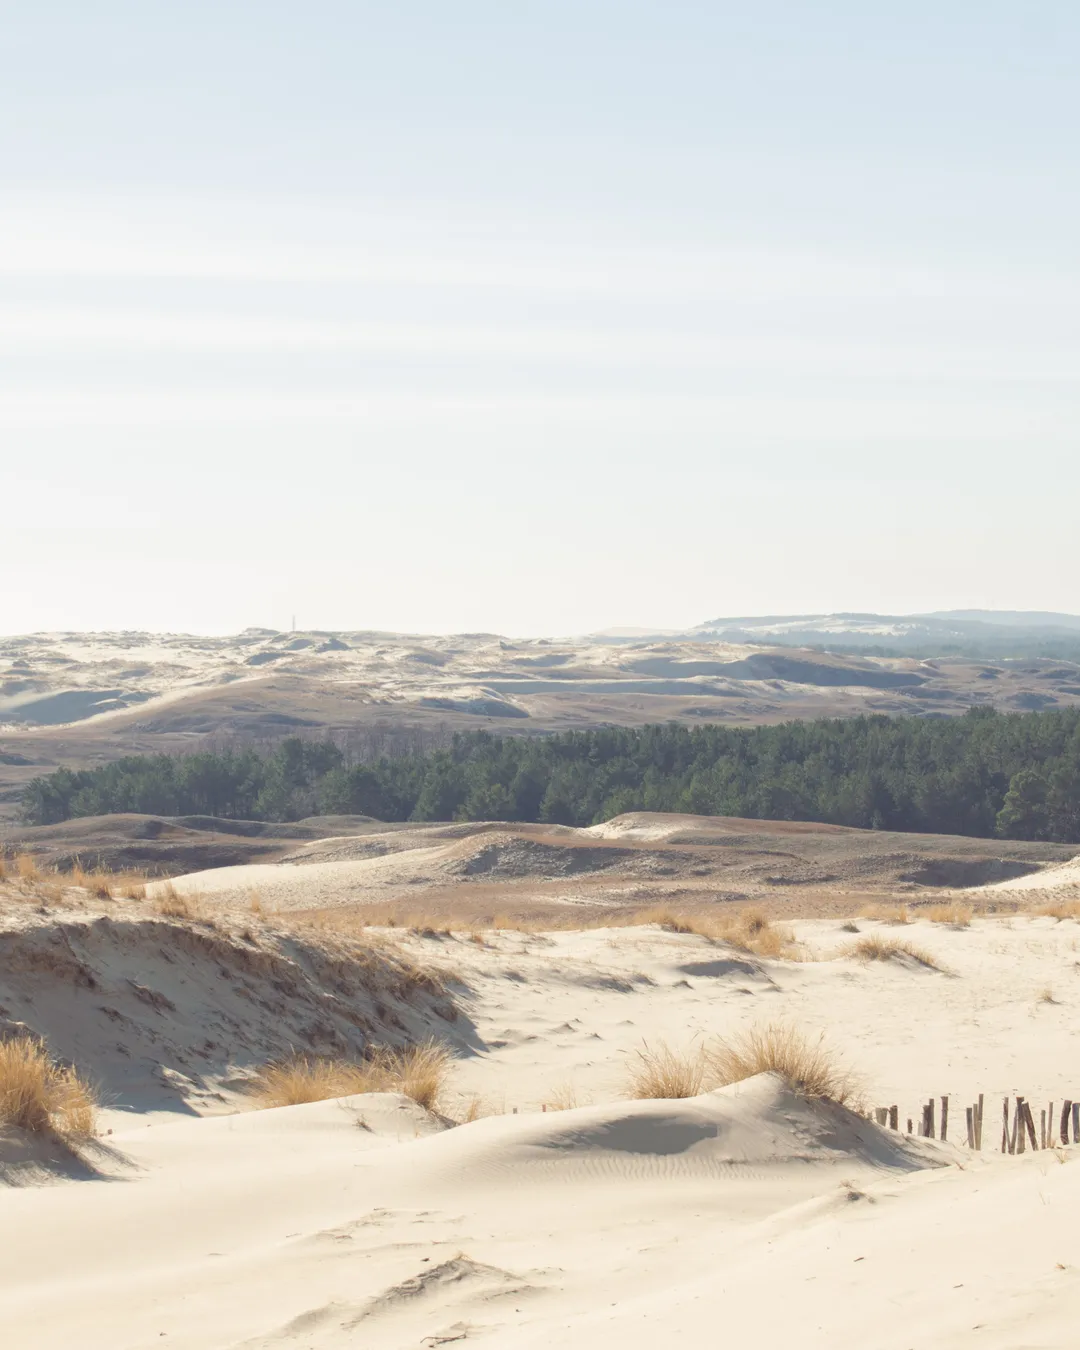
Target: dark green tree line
{"type": "Point", "coordinates": [1016, 775]}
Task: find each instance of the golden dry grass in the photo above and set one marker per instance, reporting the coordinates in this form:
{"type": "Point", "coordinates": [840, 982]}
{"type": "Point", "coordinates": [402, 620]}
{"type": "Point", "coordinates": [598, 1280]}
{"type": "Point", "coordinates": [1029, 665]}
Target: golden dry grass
{"type": "Point", "coordinates": [747, 930]}
{"type": "Point", "coordinates": [418, 1071]}
{"type": "Point", "coordinates": [39, 1095]}
{"type": "Point", "coordinates": [878, 947]}
{"type": "Point", "coordinates": [562, 1098]}
{"type": "Point", "coordinates": [1059, 909]}
{"type": "Point", "coordinates": [955, 915]}
{"type": "Point", "coordinates": [886, 913]}
{"type": "Point", "coordinates": [809, 1066]}
{"type": "Point", "coordinates": [170, 904]}
{"type": "Point", "coordinates": [660, 1072]}
{"type": "Point", "coordinates": [26, 868]}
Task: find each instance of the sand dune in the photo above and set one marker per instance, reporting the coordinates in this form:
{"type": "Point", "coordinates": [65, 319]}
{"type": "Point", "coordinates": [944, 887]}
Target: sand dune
{"type": "Point", "coordinates": [750, 1213]}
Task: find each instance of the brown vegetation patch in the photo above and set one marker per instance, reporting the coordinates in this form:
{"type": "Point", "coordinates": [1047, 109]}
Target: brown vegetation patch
{"type": "Point", "coordinates": [878, 947]}
{"type": "Point", "coordinates": [38, 1095]}
{"type": "Point", "coordinates": [418, 1071]}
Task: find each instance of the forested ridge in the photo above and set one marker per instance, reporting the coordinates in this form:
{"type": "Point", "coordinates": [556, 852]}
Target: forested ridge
{"type": "Point", "coordinates": [1015, 775]}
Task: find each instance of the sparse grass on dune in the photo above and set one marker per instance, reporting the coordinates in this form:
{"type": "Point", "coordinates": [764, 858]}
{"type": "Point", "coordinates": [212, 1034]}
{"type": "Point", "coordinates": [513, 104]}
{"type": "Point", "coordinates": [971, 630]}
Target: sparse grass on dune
{"type": "Point", "coordinates": [955, 915]}
{"type": "Point", "coordinates": [660, 1072]}
{"type": "Point", "coordinates": [1059, 909]}
{"type": "Point", "coordinates": [418, 1071]}
{"type": "Point", "coordinates": [562, 1098]}
{"type": "Point", "coordinates": [810, 1067]}
{"type": "Point", "coordinates": [886, 913]}
{"type": "Point", "coordinates": [879, 947]}
{"type": "Point", "coordinates": [747, 930]}
{"type": "Point", "coordinates": [38, 1095]}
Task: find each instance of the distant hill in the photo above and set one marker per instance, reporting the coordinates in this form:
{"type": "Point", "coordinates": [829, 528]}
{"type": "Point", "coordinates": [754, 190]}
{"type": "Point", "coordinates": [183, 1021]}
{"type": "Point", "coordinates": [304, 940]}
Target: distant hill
{"type": "Point", "coordinates": [986, 633]}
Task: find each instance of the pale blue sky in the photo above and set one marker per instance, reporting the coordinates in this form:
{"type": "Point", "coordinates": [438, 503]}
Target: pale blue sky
{"type": "Point", "coordinates": [535, 317]}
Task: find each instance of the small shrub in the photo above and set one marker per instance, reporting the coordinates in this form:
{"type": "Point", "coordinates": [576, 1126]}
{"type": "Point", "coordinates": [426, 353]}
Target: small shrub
{"type": "Point", "coordinates": [810, 1067]}
{"type": "Point", "coordinates": [38, 1095]}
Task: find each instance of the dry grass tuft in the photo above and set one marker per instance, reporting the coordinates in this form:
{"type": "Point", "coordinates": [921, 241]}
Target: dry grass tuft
{"type": "Point", "coordinates": [810, 1067]}
{"type": "Point", "coordinates": [26, 868]}
{"type": "Point", "coordinates": [1046, 995]}
{"type": "Point", "coordinates": [170, 904]}
{"type": "Point", "coordinates": [664, 1073]}
{"type": "Point", "coordinates": [886, 913]}
{"type": "Point", "coordinates": [1059, 909]}
{"type": "Point", "coordinates": [747, 930]}
{"type": "Point", "coordinates": [39, 1095]}
{"type": "Point", "coordinates": [419, 1071]}
{"type": "Point", "coordinates": [562, 1098]}
{"type": "Point", "coordinates": [875, 947]}
{"type": "Point", "coordinates": [955, 915]}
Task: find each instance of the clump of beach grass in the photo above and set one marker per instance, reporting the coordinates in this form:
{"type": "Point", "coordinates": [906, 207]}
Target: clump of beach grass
{"type": "Point", "coordinates": [661, 1072]}
{"type": "Point", "coordinates": [41, 1096]}
{"type": "Point", "coordinates": [810, 1067]}
{"type": "Point", "coordinates": [418, 1071]}
{"type": "Point", "coordinates": [880, 947]}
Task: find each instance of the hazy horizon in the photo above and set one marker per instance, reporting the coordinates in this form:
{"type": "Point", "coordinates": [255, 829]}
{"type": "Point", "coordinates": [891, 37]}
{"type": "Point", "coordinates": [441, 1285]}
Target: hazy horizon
{"type": "Point", "coordinates": [537, 318]}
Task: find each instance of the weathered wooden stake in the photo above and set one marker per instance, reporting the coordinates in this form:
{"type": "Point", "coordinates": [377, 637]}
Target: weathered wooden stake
{"type": "Point", "coordinates": [909, 1124]}
{"type": "Point", "coordinates": [969, 1115]}
{"type": "Point", "coordinates": [978, 1123]}
{"type": "Point", "coordinates": [944, 1118]}
{"type": "Point", "coordinates": [1063, 1132]}
{"type": "Point", "coordinates": [1076, 1122]}
{"type": "Point", "coordinates": [1042, 1128]}
{"type": "Point", "coordinates": [894, 1117]}
{"type": "Point", "coordinates": [1016, 1139]}
{"type": "Point", "coordinates": [881, 1114]}
{"type": "Point", "coordinates": [1005, 1126]}
{"type": "Point", "coordinates": [1030, 1123]}
{"type": "Point", "coordinates": [1049, 1126]}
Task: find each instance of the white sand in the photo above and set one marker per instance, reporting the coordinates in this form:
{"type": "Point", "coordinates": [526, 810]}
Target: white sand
{"type": "Point", "coordinates": [743, 1215]}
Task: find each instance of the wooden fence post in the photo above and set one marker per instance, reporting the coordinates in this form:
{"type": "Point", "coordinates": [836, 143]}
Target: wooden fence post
{"type": "Point", "coordinates": [1063, 1132]}
{"type": "Point", "coordinates": [881, 1114]}
{"type": "Point", "coordinates": [979, 1123]}
{"type": "Point", "coordinates": [1030, 1123]}
{"type": "Point", "coordinates": [1005, 1126]}
{"type": "Point", "coordinates": [969, 1115]}
{"type": "Point", "coordinates": [944, 1118]}
{"type": "Point", "coordinates": [909, 1124]}
{"type": "Point", "coordinates": [1042, 1128]}
{"type": "Point", "coordinates": [1016, 1138]}
{"type": "Point", "coordinates": [1076, 1122]}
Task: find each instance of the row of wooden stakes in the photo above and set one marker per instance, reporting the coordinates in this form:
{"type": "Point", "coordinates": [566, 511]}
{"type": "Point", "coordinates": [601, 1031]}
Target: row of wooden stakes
{"type": "Point", "coordinates": [1016, 1133]}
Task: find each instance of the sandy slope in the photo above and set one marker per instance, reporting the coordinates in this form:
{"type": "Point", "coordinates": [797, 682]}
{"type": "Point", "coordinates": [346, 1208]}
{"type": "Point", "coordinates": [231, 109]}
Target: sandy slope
{"type": "Point", "coordinates": [747, 1214]}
